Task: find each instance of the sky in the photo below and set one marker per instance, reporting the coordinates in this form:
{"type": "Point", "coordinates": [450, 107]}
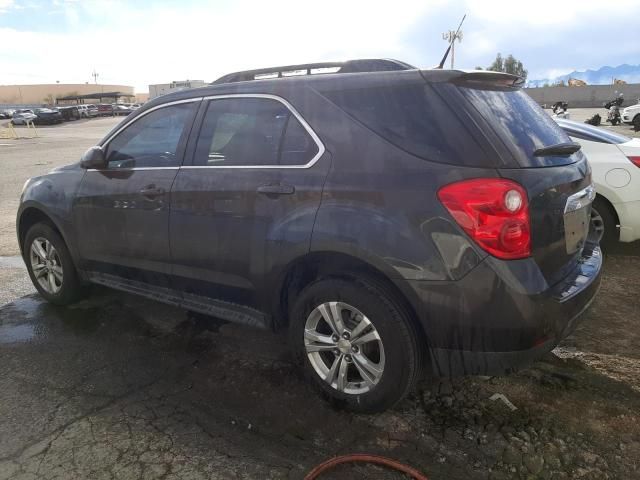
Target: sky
{"type": "Point", "coordinates": [144, 42]}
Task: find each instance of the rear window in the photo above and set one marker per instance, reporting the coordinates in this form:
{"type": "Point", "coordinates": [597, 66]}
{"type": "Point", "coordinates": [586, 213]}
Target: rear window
{"type": "Point", "coordinates": [416, 119]}
{"type": "Point", "coordinates": [519, 122]}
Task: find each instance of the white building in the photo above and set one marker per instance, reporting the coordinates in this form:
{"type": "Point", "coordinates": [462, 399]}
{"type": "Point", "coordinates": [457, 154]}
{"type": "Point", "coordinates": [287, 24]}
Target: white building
{"type": "Point", "coordinates": [164, 88]}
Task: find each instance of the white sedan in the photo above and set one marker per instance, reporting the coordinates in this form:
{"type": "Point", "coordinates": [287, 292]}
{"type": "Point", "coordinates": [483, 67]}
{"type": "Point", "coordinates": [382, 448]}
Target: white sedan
{"type": "Point", "coordinates": [615, 162]}
{"type": "Point", "coordinates": [631, 116]}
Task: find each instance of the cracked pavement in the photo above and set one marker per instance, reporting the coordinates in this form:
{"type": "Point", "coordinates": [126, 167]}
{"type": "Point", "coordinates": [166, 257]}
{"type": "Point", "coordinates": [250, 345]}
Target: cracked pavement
{"type": "Point", "coordinates": [119, 387]}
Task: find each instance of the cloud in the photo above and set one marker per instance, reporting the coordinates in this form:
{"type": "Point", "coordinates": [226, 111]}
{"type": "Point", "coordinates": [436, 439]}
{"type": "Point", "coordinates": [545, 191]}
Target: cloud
{"type": "Point", "coordinates": [147, 42]}
{"type": "Point", "coordinates": [5, 5]}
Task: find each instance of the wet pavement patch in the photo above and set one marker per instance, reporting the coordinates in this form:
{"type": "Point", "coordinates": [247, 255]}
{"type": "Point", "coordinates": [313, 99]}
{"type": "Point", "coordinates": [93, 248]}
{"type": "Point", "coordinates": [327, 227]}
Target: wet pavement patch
{"type": "Point", "coordinates": [16, 333]}
{"type": "Point", "coordinates": [121, 387]}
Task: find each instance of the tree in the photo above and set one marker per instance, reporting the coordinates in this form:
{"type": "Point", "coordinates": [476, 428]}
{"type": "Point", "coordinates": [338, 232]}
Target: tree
{"type": "Point", "coordinates": [508, 65]}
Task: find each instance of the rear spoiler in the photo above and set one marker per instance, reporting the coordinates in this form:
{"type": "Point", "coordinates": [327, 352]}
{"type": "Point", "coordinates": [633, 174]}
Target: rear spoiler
{"type": "Point", "coordinates": [473, 77]}
{"type": "Point", "coordinates": [491, 78]}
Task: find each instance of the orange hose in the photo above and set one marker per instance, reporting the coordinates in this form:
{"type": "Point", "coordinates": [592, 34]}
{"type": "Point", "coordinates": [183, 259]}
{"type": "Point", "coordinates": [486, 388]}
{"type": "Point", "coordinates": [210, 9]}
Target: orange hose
{"type": "Point", "coordinates": [364, 458]}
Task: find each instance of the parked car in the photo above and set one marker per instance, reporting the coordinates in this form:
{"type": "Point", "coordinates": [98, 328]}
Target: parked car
{"type": "Point", "coordinates": [8, 113]}
{"type": "Point", "coordinates": [22, 118]}
{"type": "Point", "coordinates": [83, 110]}
{"type": "Point", "coordinates": [363, 212]}
{"type": "Point", "coordinates": [69, 113]}
{"type": "Point", "coordinates": [93, 110]}
{"type": "Point", "coordinates": [47, 116]}
{"type": "Point", "coordinates": [4, 115]}
{"type": "Point", "coordinates": [105, 110]}
{"type": "Point", "coordinates": [615, 164]}
{"type": "Point", "coordinates": [631, 116]}
{"type": "Point", "coordinates": [122, 110]}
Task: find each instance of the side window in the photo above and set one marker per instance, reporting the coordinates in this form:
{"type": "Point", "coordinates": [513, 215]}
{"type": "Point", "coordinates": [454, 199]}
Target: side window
{"type": "Point", "coordinates": [151, 141]}
{"type": "Point", "coordinates": [298, 148]}
{"type": "Point", "coordinates": [252, 131]}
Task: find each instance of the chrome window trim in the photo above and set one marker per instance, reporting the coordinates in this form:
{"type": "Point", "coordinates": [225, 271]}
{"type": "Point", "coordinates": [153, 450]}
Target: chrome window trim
{"type": "Point", "coordinates": [106, 142]}
{"type": "Point", "coordinates": [300, 118]}
{"type": "Point", "coordinates": [130, 169]}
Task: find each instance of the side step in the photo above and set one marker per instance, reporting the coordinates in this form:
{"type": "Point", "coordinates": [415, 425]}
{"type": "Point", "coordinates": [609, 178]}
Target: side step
{"type": "Point", "coordinates": [230, 312]}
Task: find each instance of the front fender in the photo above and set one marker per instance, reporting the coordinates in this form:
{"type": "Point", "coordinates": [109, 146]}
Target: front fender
{"type": "Point", "coordinates": [52, 195]}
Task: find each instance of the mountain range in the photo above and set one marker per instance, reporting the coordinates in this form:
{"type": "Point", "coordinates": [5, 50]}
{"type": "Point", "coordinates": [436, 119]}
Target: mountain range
{"type": "Point", "coordinates": [602, 76]}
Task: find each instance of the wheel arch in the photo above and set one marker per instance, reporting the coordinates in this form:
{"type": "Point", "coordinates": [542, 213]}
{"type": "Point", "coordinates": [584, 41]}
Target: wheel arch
{"type": "Point", "coordinates": [609, 206]}
{"type": "Point", "coordinates": [313, 266]}
{"type": "Point", "coordinates": [31, 215]}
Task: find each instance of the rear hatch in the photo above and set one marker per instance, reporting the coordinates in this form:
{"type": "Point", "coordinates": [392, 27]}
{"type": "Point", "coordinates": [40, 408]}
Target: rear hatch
{"type": "Point", "coordinates": [485, 120]}
{"type": "Point", "coordinates": [539, 155]}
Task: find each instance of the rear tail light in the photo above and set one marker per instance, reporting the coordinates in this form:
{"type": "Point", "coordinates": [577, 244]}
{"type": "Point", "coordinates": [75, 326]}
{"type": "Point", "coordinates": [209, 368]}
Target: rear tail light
{"type": "Point", "coordinates": [493, 212]}
{"type": "Point", "coordinates": [635, 161]}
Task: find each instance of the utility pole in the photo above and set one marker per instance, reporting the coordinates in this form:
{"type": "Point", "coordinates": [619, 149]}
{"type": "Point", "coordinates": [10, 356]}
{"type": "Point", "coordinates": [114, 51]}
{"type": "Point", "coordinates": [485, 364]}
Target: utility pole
{"type": "Point", "coordinates": [95, 76]}
{"type": "Point", "coordinates": [451, 36]}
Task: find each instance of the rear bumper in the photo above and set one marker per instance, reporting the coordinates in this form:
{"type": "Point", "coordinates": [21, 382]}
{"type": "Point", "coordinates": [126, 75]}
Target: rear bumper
{"type": "Point", "coordinates": [496, 320]}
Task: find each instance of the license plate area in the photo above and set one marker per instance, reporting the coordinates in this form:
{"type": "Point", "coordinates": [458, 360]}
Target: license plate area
{"type": "Point", "coordinates": [576, 228]}
{"type": "Point", "coordinates": [577, 216]}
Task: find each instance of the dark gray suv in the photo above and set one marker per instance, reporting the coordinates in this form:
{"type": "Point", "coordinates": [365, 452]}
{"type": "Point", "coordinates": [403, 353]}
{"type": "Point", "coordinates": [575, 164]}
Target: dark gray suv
{"type": "Point", "coordinates": [390, 218]}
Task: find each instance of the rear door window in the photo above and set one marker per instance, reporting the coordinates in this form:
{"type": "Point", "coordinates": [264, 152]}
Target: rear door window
{"type": "Point", "coordinates": [252, 132]}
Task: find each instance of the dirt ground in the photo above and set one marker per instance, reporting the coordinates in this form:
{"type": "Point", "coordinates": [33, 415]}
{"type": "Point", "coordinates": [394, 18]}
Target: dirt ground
{"type": "Point", "coordinates": [121, 387]}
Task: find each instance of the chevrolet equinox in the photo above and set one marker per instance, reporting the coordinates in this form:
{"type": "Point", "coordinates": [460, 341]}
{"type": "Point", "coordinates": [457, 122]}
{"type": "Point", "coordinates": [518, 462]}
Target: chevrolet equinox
{"type": "Point", "coordinates": [393, 219]}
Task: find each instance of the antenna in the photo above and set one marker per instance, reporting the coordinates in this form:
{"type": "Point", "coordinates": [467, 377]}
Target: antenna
{"type": "Point", "coordinates": [95, 76]}
{"type": "Point", "coordinates": [451, 36]}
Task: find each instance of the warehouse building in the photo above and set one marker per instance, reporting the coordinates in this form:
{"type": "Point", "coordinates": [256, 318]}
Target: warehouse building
{"type": "Point", "coordinates": [164, 88]}
{"type": "Point", "coordinates": [47, 94]}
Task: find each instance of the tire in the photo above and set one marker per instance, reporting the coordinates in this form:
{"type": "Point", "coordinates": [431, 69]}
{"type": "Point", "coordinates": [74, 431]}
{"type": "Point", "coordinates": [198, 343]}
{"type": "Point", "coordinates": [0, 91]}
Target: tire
{"type": "Point", "coordinates": [636, 123]}
{"type": "Point", "coordinates": [394, 349]}
{"type": "Point", "coordinates": [58, 264]}
{"type": "Point", "coordinates": [603, 224]}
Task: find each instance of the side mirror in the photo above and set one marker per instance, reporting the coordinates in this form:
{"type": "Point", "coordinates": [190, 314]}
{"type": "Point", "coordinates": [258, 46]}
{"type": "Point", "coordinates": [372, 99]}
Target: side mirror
{"type": "Point", "coordinates": [94, 158]}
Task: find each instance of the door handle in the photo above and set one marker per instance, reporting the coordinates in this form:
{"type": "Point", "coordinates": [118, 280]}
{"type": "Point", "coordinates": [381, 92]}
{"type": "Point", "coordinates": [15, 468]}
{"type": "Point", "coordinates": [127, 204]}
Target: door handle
{"type": "Point", "coordinates": [276, 189]}
{"type": "Point", "coordinates": [151, 191]}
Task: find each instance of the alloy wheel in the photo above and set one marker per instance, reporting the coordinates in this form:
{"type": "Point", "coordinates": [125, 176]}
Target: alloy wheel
{"type": "Point", "coordinates": [46, 265]}
{"type": "Point", "coordinates": [344, 347]}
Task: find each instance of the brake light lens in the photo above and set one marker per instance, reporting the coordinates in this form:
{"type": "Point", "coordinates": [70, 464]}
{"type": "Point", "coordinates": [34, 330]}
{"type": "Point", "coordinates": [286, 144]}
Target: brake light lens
{"type": "Point", "coordinates": [635, 161]}
{"type": "Point", "coordinates": [493, 212]}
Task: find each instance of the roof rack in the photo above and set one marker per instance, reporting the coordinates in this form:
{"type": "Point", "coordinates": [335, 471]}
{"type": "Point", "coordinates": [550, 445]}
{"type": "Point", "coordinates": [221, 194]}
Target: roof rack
{"type": "Point", "coordinates": [350, 66]}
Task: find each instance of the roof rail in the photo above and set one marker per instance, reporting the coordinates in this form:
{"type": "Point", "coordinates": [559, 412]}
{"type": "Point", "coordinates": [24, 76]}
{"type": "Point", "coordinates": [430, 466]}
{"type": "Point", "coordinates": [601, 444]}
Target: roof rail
{"type": "Point", "coordinates": [350, 66]}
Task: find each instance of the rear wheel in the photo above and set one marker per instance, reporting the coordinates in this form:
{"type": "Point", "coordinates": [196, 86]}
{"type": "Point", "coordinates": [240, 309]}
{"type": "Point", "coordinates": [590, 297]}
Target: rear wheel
{"type": "Point", "coordinates": [603, 224]}
{"type": "Point", "coordinates": [50, 265]}
{"type": "Point", "coordinates": [359, 348]}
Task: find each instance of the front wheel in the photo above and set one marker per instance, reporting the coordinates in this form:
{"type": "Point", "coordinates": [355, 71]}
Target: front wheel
{"type": "Point", "coordinates": [636, 123]}
{"type": "Point", "coordinates": [359, 348]}
{"type": "Point", "coordinates": [50, 265]}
